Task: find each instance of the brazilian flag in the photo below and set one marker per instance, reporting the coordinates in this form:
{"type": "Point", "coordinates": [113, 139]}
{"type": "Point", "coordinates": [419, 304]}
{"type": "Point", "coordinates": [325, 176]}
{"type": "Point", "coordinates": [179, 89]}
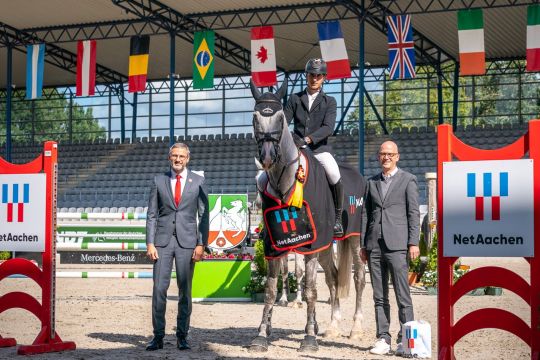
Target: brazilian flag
{"type": "Point", "coordinates": [203, 60]}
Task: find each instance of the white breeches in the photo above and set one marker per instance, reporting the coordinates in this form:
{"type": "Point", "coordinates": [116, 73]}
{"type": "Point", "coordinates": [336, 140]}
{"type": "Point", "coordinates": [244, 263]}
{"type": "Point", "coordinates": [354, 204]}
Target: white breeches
{"type": "Point", "coordinates": [330, 167]}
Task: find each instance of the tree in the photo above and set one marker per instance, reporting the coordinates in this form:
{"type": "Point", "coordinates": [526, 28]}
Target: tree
{"type": "Point", "coordinates": [51, 120]}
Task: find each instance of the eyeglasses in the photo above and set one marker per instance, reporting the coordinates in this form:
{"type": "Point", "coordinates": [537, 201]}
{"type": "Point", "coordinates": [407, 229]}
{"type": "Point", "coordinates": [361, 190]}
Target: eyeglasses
{"type": "Point", "coordinates": [388, 155]}
{"type": "Point", "coordinates": [316, 76]}
{"type": "Point", "coordinates": [182, 157]}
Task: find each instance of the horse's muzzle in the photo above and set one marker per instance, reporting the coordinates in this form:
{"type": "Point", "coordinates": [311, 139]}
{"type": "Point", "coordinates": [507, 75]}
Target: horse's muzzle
{"type": "Point", "coordinates": [267, 154]}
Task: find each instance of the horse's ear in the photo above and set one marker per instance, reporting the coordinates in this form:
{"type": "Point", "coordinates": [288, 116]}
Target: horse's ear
{"type": "Point", "coordinates": [254, 90]}
{"type": "Point", "coordinates": [282, 90]}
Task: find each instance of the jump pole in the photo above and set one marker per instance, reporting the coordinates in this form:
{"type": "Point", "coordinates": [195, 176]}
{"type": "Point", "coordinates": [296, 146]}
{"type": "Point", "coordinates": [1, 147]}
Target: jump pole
{"type": "Point", "coordinates": [47, 163]}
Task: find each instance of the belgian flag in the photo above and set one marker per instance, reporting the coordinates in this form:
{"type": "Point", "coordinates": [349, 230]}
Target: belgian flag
{"type": "Point", "coordinates": [138, 62]}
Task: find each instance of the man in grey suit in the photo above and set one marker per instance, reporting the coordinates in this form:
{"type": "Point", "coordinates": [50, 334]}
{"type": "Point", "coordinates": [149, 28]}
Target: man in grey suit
{"type": "Point", "coordinates": [176, 200]}
{"type": "Point", "coordinates": [392, 218]}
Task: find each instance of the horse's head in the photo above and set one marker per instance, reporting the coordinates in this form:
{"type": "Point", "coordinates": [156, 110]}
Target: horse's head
{"type": "Point", "coordinates": [269, 123]}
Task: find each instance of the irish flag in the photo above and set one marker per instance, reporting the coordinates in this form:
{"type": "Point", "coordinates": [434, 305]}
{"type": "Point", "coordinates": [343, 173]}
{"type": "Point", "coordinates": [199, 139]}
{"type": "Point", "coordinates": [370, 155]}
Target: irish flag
{"type": "Point", "coordinates": [472, 56]}
{"type": "Point", "coordinates": [533, 38]}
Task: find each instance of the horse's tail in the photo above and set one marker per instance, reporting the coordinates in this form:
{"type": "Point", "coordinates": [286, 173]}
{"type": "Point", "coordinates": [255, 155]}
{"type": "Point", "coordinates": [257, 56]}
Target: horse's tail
{"type": "Point", "coordinates": [344, 265]}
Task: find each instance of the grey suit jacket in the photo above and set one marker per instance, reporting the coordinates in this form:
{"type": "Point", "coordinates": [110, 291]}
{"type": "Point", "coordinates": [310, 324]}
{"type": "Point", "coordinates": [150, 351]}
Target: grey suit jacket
{"type": "Point", "coordinates": [318, 123]}
{"type": "Point", "coordinates": [163, 216]}
{"type": "Point", "coordinates": [397, 214]}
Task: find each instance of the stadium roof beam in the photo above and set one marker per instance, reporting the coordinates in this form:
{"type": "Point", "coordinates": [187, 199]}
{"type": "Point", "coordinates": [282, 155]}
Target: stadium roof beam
{"type": "Point", "coordinates": [55, 55]}
{"type": "Point", "coordinates": [425, 7]}
{"type": "Point", "coordinates": [176, 22]}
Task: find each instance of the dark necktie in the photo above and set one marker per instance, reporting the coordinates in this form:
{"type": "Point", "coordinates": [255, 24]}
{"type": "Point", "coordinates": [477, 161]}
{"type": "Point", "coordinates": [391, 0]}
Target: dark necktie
{"type": "Point", "coordinates": [177, 193]}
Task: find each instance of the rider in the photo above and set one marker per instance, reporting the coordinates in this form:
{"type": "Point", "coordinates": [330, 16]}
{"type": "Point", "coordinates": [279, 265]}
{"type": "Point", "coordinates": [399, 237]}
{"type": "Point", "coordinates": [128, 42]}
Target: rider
{"type": "Point", "coordinates": [314, 115]}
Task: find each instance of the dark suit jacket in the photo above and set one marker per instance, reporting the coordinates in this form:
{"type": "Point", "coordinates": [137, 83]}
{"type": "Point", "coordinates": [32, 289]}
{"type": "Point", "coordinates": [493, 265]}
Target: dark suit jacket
{"type": "Point", "coordinates": [317, 123]}
{"type": "Point", "coordinates": [398, 212]}
{"type": "Point", "coordinates": [163, 216]}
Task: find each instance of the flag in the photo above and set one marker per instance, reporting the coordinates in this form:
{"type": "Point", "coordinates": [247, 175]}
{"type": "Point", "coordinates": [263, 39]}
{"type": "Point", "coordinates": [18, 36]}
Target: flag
{"type": "Point", "coordinates": [138, 62]}
{"type": "Point", "coordinates": [472, 55]}
{"type": "Point", "coordinates": [86, 68]}
{"type": "Point", "coordinates": [203, 59]}
{"type": "Point", "coordinates": [401, 47]}
{"type": "Point", "coordinates": [263, 56]}
{"type": "Point", "coordinates": [35, 61]}
{"type": "Point", "coordinates": [533, 37]}
{"type": "Point", "coordinates": [333, 50]}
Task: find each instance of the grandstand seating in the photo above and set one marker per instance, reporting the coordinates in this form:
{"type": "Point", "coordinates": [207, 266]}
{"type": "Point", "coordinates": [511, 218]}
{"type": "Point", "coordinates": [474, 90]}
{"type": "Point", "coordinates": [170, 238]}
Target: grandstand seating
{"type": "Point", "coordinates": [104, 175]}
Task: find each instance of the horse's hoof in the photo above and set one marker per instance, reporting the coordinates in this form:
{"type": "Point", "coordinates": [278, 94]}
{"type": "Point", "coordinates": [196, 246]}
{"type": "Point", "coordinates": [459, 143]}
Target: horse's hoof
{"type": "Point", "coordinates": [283, 303]}
{"type": "Point", "coordinates": [298, 304]}
{"type": "Point", "coordinates": [355, 335]}
{"type": "Point", "coordinates": [309, 344]}
{"type": "Point", "coordinates": [259, 344]}
{"type": "Point", "coordinates": [331, 333]}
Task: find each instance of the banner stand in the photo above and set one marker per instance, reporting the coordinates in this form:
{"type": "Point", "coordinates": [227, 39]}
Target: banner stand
{"type": "Point", "coordinates": [450, 147]}
{"type": "Point", "coordinates": [47, 340]}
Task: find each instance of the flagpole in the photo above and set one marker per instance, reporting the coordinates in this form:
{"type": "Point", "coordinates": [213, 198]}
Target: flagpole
{"type": "Point", "coordinates": [8, 101]}
{"type": "Point", "coordinates": [361, 87]}
{"type": "Point", "coordinates": [172, 55]}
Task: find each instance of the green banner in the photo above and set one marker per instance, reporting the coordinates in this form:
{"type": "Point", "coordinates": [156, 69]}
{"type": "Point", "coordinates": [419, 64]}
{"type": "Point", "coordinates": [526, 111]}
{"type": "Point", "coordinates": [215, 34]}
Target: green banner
{"type": "Point", "coordinates": [203, 60]}
{"type": "Point", "coordinates": [221, 280]}
{"type": "Point", "coordinates": [81, 234]}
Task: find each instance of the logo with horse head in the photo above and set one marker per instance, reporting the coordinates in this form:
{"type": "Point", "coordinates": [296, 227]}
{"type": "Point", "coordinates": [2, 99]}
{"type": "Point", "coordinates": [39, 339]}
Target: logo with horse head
{"type": "Point", "coordinates": [228, 220]}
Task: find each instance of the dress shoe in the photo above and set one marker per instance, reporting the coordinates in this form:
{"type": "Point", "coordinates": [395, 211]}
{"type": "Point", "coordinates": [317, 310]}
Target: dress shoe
{"type": "Point", "coordinates": [155, 344]}
{"type": "Point", "coordinates": [182, 344]}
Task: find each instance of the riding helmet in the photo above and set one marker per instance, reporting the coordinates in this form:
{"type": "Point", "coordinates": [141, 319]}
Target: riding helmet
{"type": "Point", "coordinates": [316, 66]}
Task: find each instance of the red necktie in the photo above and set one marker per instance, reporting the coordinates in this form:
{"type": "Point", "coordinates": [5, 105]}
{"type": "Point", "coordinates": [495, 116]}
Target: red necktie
{"type": "Point", "coordinates": [177, 193]}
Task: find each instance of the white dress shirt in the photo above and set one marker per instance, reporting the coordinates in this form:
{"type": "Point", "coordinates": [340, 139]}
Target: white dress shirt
{"type": "Point", "coordinates": [311, 98]}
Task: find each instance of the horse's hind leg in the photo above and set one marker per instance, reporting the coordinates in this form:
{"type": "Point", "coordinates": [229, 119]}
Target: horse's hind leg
{"type": "Point", "coordinates": [326, 259]}
{"type": "Point", "coordinates": [309, 344]}
{"type": "Point", "coordinates": [299, 271]}
{"type": "Point", "coordinates": [359, 269]}
{"type": "Point", "coordinates": [284, 270]}
{"type": "Point", "coordinates": [260, 343]}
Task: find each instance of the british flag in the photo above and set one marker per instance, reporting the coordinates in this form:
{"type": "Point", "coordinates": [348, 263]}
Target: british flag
{"type": "Point", "coordinates": [400, 47]}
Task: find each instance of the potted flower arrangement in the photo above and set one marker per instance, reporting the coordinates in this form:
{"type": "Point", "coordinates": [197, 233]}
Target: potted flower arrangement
{"type": "Point", "coordinates": [257, 283]}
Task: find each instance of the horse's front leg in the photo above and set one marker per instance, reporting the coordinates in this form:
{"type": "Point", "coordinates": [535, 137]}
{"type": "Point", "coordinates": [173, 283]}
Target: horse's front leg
{"type": "Point", "coordinates": [299, 271]}
{"type": "Point", "coordinates": [260, 343]}
{"type": "Point", "coordinates": [284, 270]}
{"type": "Point", "coordinates": [326, 259]}
{"type": "Point", "coordinates": [359, 269]}
{"type": "Point", "coordinates": [310, 339]}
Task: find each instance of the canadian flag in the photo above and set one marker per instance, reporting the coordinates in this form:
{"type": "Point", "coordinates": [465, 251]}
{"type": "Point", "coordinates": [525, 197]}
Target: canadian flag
{"type": "Point", "coordinates": [263, 56]}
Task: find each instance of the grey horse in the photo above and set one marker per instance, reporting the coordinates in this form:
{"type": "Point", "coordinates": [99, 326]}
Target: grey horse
{"type": "Point", "coordinates": [280, 158]}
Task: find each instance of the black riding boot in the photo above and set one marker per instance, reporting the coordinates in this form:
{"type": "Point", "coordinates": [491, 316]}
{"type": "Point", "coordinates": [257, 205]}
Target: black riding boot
{"type": "Point", "coordinates": [337, 194]}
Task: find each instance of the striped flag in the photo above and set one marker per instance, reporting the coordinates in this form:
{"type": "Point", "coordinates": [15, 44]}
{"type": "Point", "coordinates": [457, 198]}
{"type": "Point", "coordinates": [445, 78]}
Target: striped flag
{"type": "Point", "coordinates": [472, 55]}
{"type": "Point", "coordinates": [401, 47]}
{"type": "Point", "coordinates": [533, 37]}
{"type": "Point", "coordinates": [333, 50]}
{"type": "Point", "coordinates": [203, 59]}
{"type": "Point", "coordinates": [35, 61]}
{"type": "Point", "coordinates": [263, 56]}
{"type": "Point", "coordinates": [138, 62]}
{"type": "Point", "coordinates": [86, 68]}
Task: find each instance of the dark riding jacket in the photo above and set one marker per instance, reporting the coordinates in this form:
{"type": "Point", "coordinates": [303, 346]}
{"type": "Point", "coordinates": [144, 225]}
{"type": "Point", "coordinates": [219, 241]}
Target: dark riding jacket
{"type": "Point", "coordinates": [317, 123]}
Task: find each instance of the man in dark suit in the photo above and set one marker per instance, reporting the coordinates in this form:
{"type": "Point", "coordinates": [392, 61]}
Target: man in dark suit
{"type": "Point", "coordinates": [393, 225]}
{"type": "Point", "coordinates": [177, 200]}
{"type": "Point", "coordinates": [314, 117]}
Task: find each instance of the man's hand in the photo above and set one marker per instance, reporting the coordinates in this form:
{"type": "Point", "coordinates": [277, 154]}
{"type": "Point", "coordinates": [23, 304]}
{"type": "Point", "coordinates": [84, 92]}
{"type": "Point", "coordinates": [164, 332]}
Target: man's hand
{"type": "Point", "coordinates": [363, 255]}
{"type": "Point", "coordinates": [414, 252]}
{"type": "Point", "coordinates": [197, 253]}
{"type": "Point", "coordinates": [151, 252]}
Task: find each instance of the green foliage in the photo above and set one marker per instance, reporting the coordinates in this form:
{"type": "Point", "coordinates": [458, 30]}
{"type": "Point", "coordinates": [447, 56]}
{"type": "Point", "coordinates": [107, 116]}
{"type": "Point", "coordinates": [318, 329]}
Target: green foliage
{"type": "Point", "coordinates": [51, 119]}
{"type": "Point", "coordinates": [488, 99]}
{"type": "Point", "coordinates": [429, 278]}
{"type": "Point", "coordinates": [5, 255]}
{"type": "Point", "coordinates": [261, 265]}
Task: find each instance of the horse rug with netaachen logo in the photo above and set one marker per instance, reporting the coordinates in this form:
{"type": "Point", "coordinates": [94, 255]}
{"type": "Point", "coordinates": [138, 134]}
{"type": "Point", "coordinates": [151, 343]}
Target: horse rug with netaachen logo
{"type": "Point", "coordinates": [303, 230]}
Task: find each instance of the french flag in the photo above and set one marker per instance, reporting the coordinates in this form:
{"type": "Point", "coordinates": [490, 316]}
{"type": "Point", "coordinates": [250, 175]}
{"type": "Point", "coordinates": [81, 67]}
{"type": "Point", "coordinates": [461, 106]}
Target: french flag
{"type": "Point", "coordinates": [35, 60]}
{"type": "Point", "coordinates": [86, 68]}
{"type": "Point", "coordinates": [333, 50]}
{"type": "Point", "coordinates": [263, 56]}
